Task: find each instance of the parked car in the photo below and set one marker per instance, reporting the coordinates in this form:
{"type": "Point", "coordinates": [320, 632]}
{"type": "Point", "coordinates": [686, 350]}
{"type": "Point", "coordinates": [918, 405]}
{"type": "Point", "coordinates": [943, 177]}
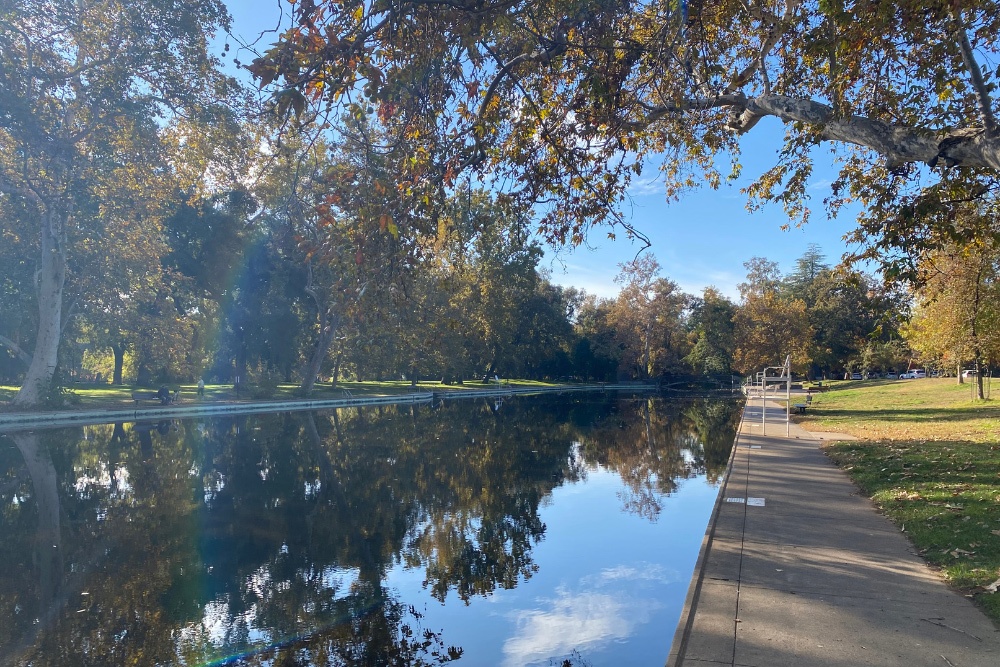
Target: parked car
{"type": "Point", "coordinates": [891, 375]}
{"type": "Point", "coordinates": [856, 376]}
{"type": "Point", "coordinates": [919, 373]}
{"type": "Point", "coordinates": [970, 373]}
{"type": "Point", "coordinates": [908, 375]}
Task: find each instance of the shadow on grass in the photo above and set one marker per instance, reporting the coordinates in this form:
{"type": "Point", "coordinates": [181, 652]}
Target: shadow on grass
{"type": "Point", "coordinates": [943, 495]}
{"type": "Point", "coordinates": [912, 414]}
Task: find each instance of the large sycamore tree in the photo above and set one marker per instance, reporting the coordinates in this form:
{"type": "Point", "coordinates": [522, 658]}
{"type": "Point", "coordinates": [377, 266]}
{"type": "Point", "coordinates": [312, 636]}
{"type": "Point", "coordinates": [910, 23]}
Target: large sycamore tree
{"type": "Point", "coordinates": [75, 76]}
{"type": "Point", "coordinates": [562, 102]}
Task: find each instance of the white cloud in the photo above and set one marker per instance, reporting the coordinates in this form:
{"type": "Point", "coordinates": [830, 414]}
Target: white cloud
{"type": "Point", "coordinates": [653, 186]}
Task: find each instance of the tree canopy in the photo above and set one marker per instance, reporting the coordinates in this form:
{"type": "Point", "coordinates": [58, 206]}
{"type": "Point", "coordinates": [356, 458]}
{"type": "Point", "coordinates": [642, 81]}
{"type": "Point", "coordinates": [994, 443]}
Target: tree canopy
{"type": "Point", "coordinates": [84, 86]}
{"type": "Point", "coordinates": [562, 103]}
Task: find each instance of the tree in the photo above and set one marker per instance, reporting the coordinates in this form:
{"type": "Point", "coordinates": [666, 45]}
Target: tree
{"type": "Point", "coordinates": [711, 333]}
{"type": "Point", "coordinates": [647, 319]}
{"type": "Point", "coordinates": [799, 283]}
{"type": "Point", "coordinates": [596, 356]}
{"type": "Point", "coordinates": [957, 317]}
{"type": "Point", "coordinates": [846, 309]}
{"type": "Point", "coordinates": [571, 100]}
{"type": "Point", "coordinates": [768, 326]}
{"type": "Point", "coordinates": [73, 76]}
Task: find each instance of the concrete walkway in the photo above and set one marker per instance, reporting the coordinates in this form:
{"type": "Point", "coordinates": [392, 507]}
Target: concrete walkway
{"type": "Point", "coordinates": [808, 573]}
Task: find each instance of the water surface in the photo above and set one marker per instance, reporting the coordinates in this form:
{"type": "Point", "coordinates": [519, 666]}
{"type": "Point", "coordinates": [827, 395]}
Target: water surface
{"type": "Point", "coordinates": [529, 531]}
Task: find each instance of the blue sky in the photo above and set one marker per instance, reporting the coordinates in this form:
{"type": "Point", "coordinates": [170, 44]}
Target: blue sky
{"type": "Point", "coordinates": [699, 241]}
{"type": "Point", "coordinates": [705, 238]}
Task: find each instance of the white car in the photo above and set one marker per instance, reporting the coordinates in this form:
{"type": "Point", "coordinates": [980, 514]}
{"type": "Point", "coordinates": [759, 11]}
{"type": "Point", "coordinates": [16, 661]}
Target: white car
{"type": "Point", "coordinates": [970, 373]}
{"type": "Point", "coordinates": [908, 375]}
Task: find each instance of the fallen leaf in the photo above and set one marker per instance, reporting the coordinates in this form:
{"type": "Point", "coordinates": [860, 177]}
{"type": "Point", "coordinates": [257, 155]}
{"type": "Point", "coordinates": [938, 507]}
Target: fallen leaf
{"type": "Point", "coordinates": [992, 588]}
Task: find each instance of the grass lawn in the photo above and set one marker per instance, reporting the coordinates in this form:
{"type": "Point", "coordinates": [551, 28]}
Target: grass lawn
{"type": "Point", "coordinates": [90, 396]}
{"type": "Point", "coordinates": [929, 456]}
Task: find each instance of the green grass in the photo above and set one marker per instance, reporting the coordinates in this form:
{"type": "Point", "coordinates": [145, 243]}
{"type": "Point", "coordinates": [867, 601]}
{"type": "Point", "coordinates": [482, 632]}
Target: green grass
{"type": "Point", "coordinates": [91, 396]}
{"type": "Point", "coordinates": [929, 457]}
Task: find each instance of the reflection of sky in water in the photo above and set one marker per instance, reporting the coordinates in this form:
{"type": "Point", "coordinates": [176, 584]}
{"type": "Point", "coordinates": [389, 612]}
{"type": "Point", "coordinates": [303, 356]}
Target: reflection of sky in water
{"type": "Point", "coordinates": [610, 585]}
{"type": "Point", "coordinates": [271, 557]}
{"type": "Point", "coordinates": [580, 620]}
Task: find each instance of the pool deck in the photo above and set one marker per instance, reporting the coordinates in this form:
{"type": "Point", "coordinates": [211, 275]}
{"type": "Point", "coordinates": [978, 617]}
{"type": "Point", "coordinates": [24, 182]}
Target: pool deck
{"type": "Point", "coordinates": [808, 573]}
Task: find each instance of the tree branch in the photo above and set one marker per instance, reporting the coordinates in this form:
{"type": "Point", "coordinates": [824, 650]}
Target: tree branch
{"type": "Point", "coordinates": [966, 147]}
{"type": "Point", "coordinates": [982, 94]}
{"type": "Point", "coordinates": [951, 147]}
{"type": "Point", "coordinates": [16, 349]}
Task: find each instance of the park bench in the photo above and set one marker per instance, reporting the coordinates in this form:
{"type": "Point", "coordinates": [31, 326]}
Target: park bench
{"type": "Point", "coordinates": [801, 407]}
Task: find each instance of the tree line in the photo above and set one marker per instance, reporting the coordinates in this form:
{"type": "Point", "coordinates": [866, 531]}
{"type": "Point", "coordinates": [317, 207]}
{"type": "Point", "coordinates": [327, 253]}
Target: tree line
{"type": "Point", "coordinates": [163, 221]}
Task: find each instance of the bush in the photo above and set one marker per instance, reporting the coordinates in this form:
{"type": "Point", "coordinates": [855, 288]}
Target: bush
{"type": "Point", "coordinates": [264, 384]}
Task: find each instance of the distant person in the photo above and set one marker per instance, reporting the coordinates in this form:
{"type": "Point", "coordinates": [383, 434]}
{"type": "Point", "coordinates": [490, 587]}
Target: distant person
{"type": "Point", "coordinates": [201, 387]}
{"type": "Point", "coordinates": [164, 395]}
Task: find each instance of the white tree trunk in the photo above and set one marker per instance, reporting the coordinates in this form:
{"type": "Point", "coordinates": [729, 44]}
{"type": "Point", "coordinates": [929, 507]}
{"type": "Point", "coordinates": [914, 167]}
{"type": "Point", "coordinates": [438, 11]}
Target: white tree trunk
{"type": "Point", "coordinates": [51, 279]}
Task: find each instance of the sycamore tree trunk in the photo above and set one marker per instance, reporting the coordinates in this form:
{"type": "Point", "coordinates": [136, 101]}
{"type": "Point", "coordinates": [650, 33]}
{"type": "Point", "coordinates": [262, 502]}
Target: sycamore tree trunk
{"type": "Point", "coordinates": [328, 324]}
{"type": "Point", "coordinates": [51, 279]}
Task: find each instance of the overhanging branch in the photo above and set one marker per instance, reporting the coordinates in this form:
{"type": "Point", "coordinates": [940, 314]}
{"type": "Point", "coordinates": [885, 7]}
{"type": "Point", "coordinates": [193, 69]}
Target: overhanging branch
{"type": "Point", "coordinates": [978, 84]}
{"type": "Point", "coordinates": [16, 349]}
{"type": "Point", "coordinates": [964, 147]}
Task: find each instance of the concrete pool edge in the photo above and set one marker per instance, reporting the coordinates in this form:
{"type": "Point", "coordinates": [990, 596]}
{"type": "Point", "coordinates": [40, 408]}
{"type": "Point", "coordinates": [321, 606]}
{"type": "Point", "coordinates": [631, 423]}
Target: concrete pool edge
{"type": "Point", "coordinates": [684, 624]}
{"type": "Point", "coordinates": [15, 421]}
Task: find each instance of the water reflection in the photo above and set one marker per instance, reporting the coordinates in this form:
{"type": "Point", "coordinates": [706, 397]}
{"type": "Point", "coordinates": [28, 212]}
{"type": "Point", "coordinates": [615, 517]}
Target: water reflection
{"type": "Point", "coordinates": [280, 539]}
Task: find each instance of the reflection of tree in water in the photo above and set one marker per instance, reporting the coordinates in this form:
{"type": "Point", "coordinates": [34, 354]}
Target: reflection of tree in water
{"type": "Point", "coordinates": [116, 550]}
{"type": "Point", "coordinates": [270, 537]}
{"type": "Point", "coordinates": [715, 423]}
{"type": "Point", "coordinates": [652, 443]}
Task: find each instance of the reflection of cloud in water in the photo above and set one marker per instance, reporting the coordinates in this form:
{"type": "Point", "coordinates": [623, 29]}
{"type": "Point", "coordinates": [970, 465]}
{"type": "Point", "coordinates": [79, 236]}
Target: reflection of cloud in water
{"type": "Point", "coordinates": [646, 572]}
{"type": "Point", "coordinates": [610, 608]}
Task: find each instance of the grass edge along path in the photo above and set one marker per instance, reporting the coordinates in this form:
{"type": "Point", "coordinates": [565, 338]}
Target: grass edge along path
{"type": "Point", "coordinates": [928, 455]}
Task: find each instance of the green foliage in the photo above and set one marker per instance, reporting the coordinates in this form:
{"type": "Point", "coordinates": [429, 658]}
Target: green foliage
{"type": "Point", "coordinates": [575, 101]}
{"type": "Point", "coordinates": [711, 329]}
{"type": "Point", "coordinates": [59, 395]}
{"type": "Point", "coordinates": [87, 88]}
{"type": "Point", "coordinates": [263, 383]}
